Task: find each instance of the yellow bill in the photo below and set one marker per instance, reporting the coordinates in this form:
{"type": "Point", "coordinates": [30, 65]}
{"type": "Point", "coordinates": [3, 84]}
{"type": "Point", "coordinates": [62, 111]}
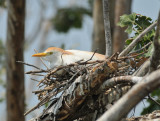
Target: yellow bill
{"type": "Point", "coordinates": [39, 55]}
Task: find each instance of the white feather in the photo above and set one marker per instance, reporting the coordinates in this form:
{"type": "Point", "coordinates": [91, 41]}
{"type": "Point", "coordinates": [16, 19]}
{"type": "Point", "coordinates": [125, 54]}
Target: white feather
{"type": "Point", "coordinates": [57, 58]}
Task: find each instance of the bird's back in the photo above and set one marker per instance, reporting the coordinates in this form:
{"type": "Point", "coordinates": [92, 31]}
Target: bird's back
{"type": "Point", "coordinates": [86, 55]}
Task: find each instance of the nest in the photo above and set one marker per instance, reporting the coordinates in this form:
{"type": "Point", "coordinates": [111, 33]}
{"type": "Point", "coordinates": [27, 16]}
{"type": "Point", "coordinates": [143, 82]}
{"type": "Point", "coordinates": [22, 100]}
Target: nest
{"type": "Point", "coordinates": [57, 80]}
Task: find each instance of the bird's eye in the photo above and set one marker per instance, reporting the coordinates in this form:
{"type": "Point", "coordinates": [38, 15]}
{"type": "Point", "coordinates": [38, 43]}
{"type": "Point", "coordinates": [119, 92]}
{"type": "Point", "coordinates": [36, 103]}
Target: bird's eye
{"type": "Point", "coordinates": [50, 53]}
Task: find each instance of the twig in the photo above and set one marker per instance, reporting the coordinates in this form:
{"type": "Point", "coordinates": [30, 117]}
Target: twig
{"type": "Point", "coordinates": [34, 108]}
{"type": "Point", "coordinates": [89, 62]}
{"type": "Point", "coordinates": [149, 97]}
{"type": "Point", "coordinates": [115, 55]}
{"type": "Point", "coordinates": [36, 74]}
{"type": "Point", "coordinates": [91, 56]}
{"type": "Point", "coordinates": [124, 67]}
{"type": "Point", "coordinates": [43, 101]}
{"type": "Point", "coordinates": [141, 48]}
{"type": "Point", "coordinates": [53, 102]}
{"type": "Point", "coordinates": [138, 54]}
{"type": "Point", "coordinates": [52, 72]}
{"type": "Point", "coordinates": [39, 91]}
{"type": "Point", "coordinates": [42, 60]}
{"type": "Point", "coordinates": [38, 105]}
{"type": "Point", "coordinates": [137, 39]}
{"type": "Point", "coordinates": [71, 79]}
{"type": "Point", "coordinates": [67, 66]}
{"type": "Point", "coordinates": [41, 71]}
{"type": "Point", "coordinates": [130, 56]}
{"type": "Point", "coordinates": [34, 80]}
{"type": "Point", "coordinates": [30, 65]}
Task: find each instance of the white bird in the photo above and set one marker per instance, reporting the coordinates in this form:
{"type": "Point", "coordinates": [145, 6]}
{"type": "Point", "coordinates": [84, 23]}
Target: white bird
{"type": "Point", "coordinates": [57, 56]}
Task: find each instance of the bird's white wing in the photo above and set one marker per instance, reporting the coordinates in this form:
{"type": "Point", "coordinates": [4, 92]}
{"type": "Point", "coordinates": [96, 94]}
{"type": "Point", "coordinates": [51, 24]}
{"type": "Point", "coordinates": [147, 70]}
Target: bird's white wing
{"type": "Point", "coordinates": [68, 59]}
{"type": "Point", "coordinates": [87, 55]}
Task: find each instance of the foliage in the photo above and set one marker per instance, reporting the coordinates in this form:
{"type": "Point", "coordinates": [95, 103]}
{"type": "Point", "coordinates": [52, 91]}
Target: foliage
{"type": "Point", "coordinates": [67, 18]}
{"type": "Point", "coordinates": [127, 20]}
{"type": "Point", "coordinates": [90, 2]}
{"type": "Point", "coordinates": [152, 106]}
{"type": "Point", "coordinates": [135, 24]}
{"type": "Point", "coordinates": [1, 100]}
{"type": "Point", "coordinates": [2, 3]}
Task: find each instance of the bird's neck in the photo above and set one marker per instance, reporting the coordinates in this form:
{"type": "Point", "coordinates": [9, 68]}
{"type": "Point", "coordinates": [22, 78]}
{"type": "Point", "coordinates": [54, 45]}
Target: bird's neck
{"type": "Point", "coordinates": [54, 60]}
{"type": "Point", "coordinates": [58, 59]}
{"type": "Point", "coordinates": [55, 63]}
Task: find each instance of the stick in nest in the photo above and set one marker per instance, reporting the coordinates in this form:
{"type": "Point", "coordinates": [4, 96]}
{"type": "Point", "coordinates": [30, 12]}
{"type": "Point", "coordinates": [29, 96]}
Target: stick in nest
{"type": "Point", "coordinates": [30, 65]}
{"type": "Point", "coordinates": [42, 60]}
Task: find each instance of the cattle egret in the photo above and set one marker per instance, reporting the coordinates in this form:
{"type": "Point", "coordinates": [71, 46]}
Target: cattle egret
{"type": "Point", "coordinates": [57, 56]}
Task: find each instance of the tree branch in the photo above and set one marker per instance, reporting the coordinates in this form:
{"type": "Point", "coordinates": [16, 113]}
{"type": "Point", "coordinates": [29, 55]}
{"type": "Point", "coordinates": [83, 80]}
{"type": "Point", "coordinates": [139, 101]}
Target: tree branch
{"type": "Point", "coordinates": [152, 63]}
{"type": "Point", "coordinates": [135, 95]}
{"type": "Point", "coordinates": [107, 28]}
{"type": "Point", "coordinates": [136, 40]}
{"type": "Point", "coordinates": [117, 80]}
{"type": "Point", "coordinates": [155, 58]}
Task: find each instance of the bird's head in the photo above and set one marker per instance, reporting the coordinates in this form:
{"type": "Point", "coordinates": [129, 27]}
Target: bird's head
{"type": "Point", "coordinates": [51, 54]}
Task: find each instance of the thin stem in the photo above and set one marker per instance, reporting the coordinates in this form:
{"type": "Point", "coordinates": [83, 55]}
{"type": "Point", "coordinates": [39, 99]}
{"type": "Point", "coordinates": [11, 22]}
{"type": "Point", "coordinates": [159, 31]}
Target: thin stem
{"type": "Point", "coordinates": [42, 60]}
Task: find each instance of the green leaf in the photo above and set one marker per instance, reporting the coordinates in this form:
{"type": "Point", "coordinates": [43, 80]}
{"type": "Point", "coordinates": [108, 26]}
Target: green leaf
{"type": "Point", "coordinates": [46, 105]}
{"type": "Point", "coordinates": [137, 23]}
{"type": "Point", "coordinates": [1, 100]}
{"type": "Point", "coordinates": [142, 22]}
{"type": "Point", "coordinates": [155, 92]}
{"type": "Point", "coordinates": [127, 20]}
{"type": "Point", "coordinates": [2, 3]}
{"type": "Point", "coordinates": [129, 30]}
{"type": "Point", "coordinates": [150, 51]}
{"type": "Point", "coordinates": [152, 106]}
{"type": "Point", "coordinates": [128, 41]}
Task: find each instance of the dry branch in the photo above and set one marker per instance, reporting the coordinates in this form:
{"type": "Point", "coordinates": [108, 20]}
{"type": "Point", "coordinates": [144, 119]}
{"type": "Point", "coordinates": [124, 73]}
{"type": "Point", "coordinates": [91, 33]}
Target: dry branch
{"type": "Point", "coordinates": [139, 91]}
{"type": "Point", "coordinates": [31, 65]}
{"type": "Point", "coordinates": [107, 28]}
{"type": "Point", "coordinates": [143, 48]}
{"type": "Point", "coordinates": [155, 58]}
{"type": "Point", "coordinates": [119, 80]}
{"type": "Point", "coordinates": [42, 60]}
